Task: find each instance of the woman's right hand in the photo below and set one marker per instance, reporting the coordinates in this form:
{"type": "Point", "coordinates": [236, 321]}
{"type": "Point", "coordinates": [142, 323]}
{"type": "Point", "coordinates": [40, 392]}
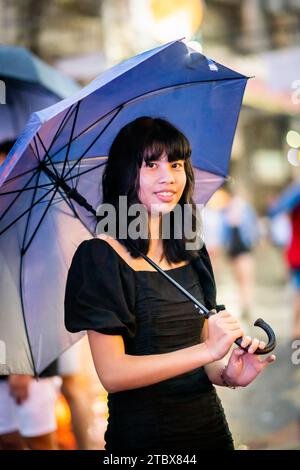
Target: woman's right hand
{"type": "Point", "coordinates": [222, 331]}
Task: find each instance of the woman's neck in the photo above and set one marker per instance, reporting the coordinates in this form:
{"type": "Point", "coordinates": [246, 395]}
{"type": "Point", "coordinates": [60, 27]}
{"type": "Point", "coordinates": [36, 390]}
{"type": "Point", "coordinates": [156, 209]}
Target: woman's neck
{"type": "Point", "coordinates": [156, 244]}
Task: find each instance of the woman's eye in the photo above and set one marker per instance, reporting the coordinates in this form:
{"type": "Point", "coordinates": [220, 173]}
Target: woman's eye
{"type": "Point", "coordinates": [150, 164]}
{"type": "Point", "coordinates": [177, 165]}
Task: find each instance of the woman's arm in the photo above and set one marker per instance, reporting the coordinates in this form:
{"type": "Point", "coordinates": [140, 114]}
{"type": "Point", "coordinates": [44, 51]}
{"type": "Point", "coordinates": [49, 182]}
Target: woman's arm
{"type": "Point", "coordinates": [119, 371]}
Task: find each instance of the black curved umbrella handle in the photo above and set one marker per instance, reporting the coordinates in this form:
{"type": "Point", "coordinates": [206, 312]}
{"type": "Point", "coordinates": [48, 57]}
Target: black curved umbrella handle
{"type": "Point", "coordinates": [267, 329]}
{"type": "Point", "coordinates": [270, 334]}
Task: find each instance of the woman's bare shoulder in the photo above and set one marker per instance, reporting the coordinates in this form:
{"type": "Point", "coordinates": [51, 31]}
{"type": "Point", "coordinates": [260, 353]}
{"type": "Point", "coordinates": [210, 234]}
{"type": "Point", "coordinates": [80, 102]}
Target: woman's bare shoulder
{"type": "Point", "coordinates": [116, 245]}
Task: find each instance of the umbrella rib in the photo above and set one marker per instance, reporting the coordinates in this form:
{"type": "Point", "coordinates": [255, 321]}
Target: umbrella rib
{"type": "Point", "coordinates": [118, 108]}
{"type": "Point", "coordinates": [28, 218]}
{"type": "Point", "coordinates": [69, 203]}
{"type": "Point", "coordinates": [47, 153]}
{"type": "Point", "coordinates": [84, 172]}
{"type": "Point", "coordinates": [21, 291]}
{"type": "Point", "coordinates": [22, 305]}
{"type": "Point", "coordinates": [175, 86]}
{"type": "Point", "coordinates": [24, 318]}
{"type": "Point", "coordinates": [96, 138]}
{"type": "Point", "coordinates": [38, 186]}
{"type": "Point", "coordinates": [71, 136]}
{"type": "Point", "coordinates": [37, 154]}
{"type": "Point", "coordinates": [39, 223]}
{"type": "Point", "coordinates": [45, 185]}
{"type": "Point", "coordinates": [45, 150]}
{"type": "Point", "coordinates": [19, 193]}
{"type": "Point", "coordinates": [9, 180]}
{"type": "Point", "coordinates": [18, 176]}
{"type": "Point", "coordinates": [77, 170]}
{"type": "Point", "coordinates": [25, 212]}
{"type": "Point", "coordinates": [61, 126]}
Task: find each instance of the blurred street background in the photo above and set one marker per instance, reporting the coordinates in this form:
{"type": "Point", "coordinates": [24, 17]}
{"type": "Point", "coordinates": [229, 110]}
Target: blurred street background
{"type": "Point", "coordinates": [261, 39]}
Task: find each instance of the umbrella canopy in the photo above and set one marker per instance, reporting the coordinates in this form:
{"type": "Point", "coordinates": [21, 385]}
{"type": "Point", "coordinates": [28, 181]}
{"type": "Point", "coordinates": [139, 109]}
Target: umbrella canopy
{"type": "Point", "coordinates": [30, 85]}
{"type": "Point", "coordinates": [62, 152]}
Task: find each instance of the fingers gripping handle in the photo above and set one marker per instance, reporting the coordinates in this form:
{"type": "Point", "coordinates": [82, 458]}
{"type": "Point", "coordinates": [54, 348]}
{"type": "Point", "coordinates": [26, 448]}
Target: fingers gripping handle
{"type": "Point", "coordinates": [271, 338]}
{"type": "Point", "coordinates": [261, 324]}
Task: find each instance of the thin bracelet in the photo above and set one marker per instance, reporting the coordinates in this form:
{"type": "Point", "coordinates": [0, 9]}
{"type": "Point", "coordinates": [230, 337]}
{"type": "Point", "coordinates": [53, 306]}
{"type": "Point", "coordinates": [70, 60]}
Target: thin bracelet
{"type": "Point", "coordinates": [224, 382]}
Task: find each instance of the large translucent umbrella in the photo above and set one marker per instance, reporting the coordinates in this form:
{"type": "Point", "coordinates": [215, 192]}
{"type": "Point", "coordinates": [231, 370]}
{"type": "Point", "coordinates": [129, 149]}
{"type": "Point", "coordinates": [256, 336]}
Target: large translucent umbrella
{"type": "Point", "coordinates": [62, 153]}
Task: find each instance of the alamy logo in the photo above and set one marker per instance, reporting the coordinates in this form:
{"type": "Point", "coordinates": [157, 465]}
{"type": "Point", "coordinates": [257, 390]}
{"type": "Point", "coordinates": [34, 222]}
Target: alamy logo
{"type": "Point", "coordinates": [296, 354]}
{"type": "Point", "coordinates": [2, 92]}
{"type": "Point", "coordinates": [2, 352]}
{"type": "Point", "coordinates": [133, 221]}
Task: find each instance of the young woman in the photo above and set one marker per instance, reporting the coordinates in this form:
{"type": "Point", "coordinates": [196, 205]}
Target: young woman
{"type": "Point", "coordinates": [154, 353]}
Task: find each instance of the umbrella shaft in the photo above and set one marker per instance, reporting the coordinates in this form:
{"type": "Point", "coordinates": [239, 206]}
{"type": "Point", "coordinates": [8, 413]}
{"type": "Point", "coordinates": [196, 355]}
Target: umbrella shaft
{"type": "Point", "coordinates": [70, 192]}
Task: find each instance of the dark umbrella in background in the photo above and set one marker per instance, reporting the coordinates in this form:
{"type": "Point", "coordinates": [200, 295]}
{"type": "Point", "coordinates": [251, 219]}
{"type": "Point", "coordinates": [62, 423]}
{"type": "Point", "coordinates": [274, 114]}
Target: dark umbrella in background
{"type": "Point", "coordinates": [49, 186]}
{"type": "Point", "coordinates": [30, 85]}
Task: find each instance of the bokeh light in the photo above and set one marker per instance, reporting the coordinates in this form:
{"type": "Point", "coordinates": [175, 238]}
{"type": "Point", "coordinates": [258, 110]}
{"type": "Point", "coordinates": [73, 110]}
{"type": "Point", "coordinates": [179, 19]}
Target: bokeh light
{"type": "Point", "coordinates": [293, 139]}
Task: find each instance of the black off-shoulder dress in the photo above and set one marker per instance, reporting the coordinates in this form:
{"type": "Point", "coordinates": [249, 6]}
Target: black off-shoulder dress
{"type": "Point", "coordinates": [105, 294]}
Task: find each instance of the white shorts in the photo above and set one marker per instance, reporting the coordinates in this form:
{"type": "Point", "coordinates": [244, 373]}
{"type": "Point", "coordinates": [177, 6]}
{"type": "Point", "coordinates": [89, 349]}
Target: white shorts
{"type": "Point", "coordinates": [36, 415]}
{"type": "Point", "coordinates": [69, 361]}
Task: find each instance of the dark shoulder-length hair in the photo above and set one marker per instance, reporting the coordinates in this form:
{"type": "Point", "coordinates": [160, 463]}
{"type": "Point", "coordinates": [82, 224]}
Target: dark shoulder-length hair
{"type": "Point", "coordinates": [147, 139]}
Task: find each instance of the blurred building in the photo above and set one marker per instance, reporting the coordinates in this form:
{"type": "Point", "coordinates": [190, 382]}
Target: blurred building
{"type": "Point", "coordinates": [252, 26]}
{"type": "Point", "coordinates": [54, 29]}
{"type": "Point", "coordinates": [260, 39]}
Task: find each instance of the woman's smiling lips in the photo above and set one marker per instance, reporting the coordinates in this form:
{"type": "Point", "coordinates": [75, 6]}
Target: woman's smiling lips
{"type": "Point", "coordinates": [165, 196]}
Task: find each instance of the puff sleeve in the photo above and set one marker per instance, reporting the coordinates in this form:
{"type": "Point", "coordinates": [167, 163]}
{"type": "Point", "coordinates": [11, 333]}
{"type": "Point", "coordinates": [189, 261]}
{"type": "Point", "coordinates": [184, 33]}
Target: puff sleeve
{"type": "Point", "coordinates": [99, 293]}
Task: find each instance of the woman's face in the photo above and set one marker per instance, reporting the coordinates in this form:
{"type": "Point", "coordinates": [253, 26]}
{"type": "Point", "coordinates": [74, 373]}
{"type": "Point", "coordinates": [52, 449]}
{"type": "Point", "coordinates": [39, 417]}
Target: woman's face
{"type": "Point", "coordinates": [161, 184]}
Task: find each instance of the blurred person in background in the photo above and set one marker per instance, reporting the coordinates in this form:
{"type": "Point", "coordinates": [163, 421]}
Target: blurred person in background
{"type": "Point", "coordinates": [280, 231]}
{"type": "Point", "coordinates": [212, 235]}
{"type": "Point", "coordinates": [278, 227]}
{"type": "Point", "coordinates": [212, 227]}
{"type": "Point", "coordinates": [239, 236]}
{"type": "Point", "coordinates": [27, 411]}
{"type": "Point", "coordinates": [75, 394]}
{"type": "Point", "coordinates": [289, 203]}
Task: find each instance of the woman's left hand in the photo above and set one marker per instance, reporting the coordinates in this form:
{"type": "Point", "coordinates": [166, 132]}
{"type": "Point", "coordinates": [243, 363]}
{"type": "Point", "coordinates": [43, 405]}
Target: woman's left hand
{"type": "Point", "coordinates": [243, 367]}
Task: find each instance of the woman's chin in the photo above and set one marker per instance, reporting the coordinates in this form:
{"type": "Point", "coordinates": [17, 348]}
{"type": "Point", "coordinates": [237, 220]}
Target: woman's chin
{"type": "Point", "coordinates": [162, 208]}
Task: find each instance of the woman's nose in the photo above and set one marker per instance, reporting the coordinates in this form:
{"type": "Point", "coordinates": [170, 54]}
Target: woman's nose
{"type": "Point", "coordinates": [166, 175]}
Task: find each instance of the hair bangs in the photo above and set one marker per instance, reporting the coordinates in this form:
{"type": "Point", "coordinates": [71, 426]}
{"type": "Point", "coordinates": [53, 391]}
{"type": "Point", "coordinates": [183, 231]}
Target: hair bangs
{"type": "Point", "coordinates": [174, 145]}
